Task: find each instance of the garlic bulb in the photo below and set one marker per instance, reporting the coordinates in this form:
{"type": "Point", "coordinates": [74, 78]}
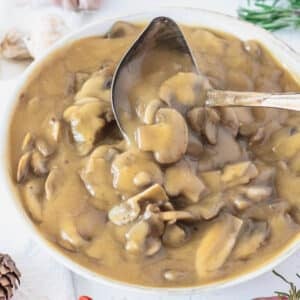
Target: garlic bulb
{"type": "Point", "coordinates": [13, 46]}
{"type": "Point", "coordinates": [88, 4]}
{"type": "Point", "coordinates": [47, 31]}
{"type": "Point", "coordinates": [68, 4]}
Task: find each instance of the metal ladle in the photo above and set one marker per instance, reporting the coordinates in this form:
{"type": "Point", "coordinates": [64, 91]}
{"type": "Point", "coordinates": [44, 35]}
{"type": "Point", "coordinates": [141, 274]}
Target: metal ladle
{"type": "Point", "coordinates": [164, 33]}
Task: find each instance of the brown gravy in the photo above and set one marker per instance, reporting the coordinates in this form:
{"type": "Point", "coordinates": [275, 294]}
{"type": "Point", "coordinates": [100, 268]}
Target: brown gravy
{"type": "Point", "coordinates": [208, 194]}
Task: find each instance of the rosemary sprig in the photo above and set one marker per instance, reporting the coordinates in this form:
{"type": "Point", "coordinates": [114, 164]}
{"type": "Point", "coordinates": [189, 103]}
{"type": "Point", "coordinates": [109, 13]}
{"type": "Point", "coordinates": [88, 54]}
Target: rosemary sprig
{"type": "Point", "coordinates": [272, 14]}
{"type": "Point", "coordinates": [293, 294]}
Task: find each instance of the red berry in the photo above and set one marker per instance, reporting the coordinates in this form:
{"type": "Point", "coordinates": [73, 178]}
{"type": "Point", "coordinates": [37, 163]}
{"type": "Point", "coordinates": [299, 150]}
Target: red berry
{"type": "Point", "coordinates": [85, 298]}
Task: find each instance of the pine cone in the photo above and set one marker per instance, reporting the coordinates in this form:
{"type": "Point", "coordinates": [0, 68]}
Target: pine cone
{"type": "Point", "coordinates": [9, 277]}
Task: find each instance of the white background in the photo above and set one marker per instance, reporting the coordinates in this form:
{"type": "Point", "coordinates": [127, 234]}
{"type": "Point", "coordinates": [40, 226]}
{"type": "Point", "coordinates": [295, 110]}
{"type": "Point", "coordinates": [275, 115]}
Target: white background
{"type": "Point", "coordinates": [261, 286]}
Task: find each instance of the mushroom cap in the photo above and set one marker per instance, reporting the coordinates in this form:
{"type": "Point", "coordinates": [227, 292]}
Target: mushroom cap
{"type": "Point", "coordinates": [85, 122]}
{"type": "Point", "coordinates": [252, 236]}
{"type": "Point", "coordinates": [127, 165]}
{"type": "Point", "coordinates": [124, 213]}
{"type": "Point", "coordinates": [130, 209]}
{"type": "Point", "coordinates": [96, 86]}
{"type": "Point", "coordinates": [69, 236]}
{"type": "Point", "coordinates": [99, 186]}
{"type": "Point", "coordinates": [33, 196]}
{"type": "Point", "coordinates": [217, 243]}
{"type": "Point", "coordinates": [174, 236]}
{"type": "Point", "coordinates": [184, 90]}
{"type": "Point", "coordinates": [238, 173]}
{"type": "Point", "coordinates": [170, 134]}
{"type": "Point", "coordinates": [180, 179]}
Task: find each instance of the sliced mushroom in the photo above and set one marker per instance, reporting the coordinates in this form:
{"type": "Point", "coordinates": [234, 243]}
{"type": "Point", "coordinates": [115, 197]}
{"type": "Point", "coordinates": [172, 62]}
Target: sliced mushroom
{"type": "Point", "coordinates": [87, 100]}
{"type": "Point", "coordinates": [257, 193]}
{"type": "Point", "coordinates": [150, 111]}
{"type": "Point", "coordinates": [97, 252]}
{"type": "Point", "coordinates": [124, 213]}
{"type": "Point", "coordinates": [44, 148]}
{"type": "Point", "coordinates": [136, 237]}
{"type": "Point", "coordinates": [226, 150]}
{"type": "Point", "coordinates": [195, 147]}
{"type": "Point", "coordinates": [279, 223]}
{"type": "Point", "coordinates": [244, 115]}
{"type": "Point", "coordinates": [210, 131]}
{"type": "Point", "coordinates": [33, 196]}
{"type": "Point", "coordinates": [170, 134]}
{"type": "Point", "coordinates": [55, 128]}
{"type": "Point", "coordinates": [69, 237]}
{"type": "Point", "coordinates": [207, 208]}
{"type": "Point", "coordinates": [176, 215]}
{"type": "Point", "coordinates": [265, 176]}
{"type": "Point", "coordinates": [249, 130]}
{"type": "Point", "coordinates": [180, 179]}
{"type": "Point", "coordinates": [294, 163]}
{"type": "Point", "coordinates": [90, 222]}
{"type": "Point", "coordinates": [174, 236]}
{"type": "Point", "coordinates": [175, 275]}
{"type": "Point", "coordinates": [52, 182]}
{"type": "Point", "coordinates": [212, 114]}
{"type": "Point", "coordinates": [127, 165]}
{"type": "Point", "coordinates": [144, 236]}
{"type": "Point", "coordinates": [152, 216]}
{"type": "Point", "coordinates": [288, 187]}
{"type": "Point", "coordinates": [96, 86]}
{"type": "Point", "coordinates": [80, 78]}
{"type": "Point", "coordinates": [130, 209]}
{"type": "Point", "coordinates": [217, 243]}
{"type": "Point", "coordinates": [230, 120]}
{"type": "Point", "coordinates": [154, 193]}
{"type": "Point", "coordinates": [265, 210]}
{"type": "Point", "coordinates": [86, 122]}
{"type": "Point", "coordinates": [142, 179]}
{"type": "Point", "coordinates": [23, 166]}
{"type": "Point", "coordinates": [286, 143]}
{"type": "Point", "coordinates": [266, 115]}
{"type": "Point", "coordinates": [204, 120]}
{"type": "Point", "coordinates": [212, 180]}
{"type": "Point", "coordinates": [258, 136]}
{"type": "Point", "coordinates": [153, 245]}
{"type": "Point", "coordinates": [39, 164]}
{"type": "Point", "coordinates": [241, 203]}
{"type": "Point", "coordinates": [269, 129]}
{"type": "Point", "coordinates": [99, 186]}
{"type": "Point", "coordinates": [206, 163]}
{"type": "Point", "coordinates": [28, 142]}
{"type": "Point", "coordinates": [239, 173]}
{"type": "Point", "coordinates": [195, 118]}
{"type": "Point", "coordinates": [138, 240]}
{"type": "Point", "coordinates": [184, 90]}
{"type": "Point", "coordinates": [251, 238]}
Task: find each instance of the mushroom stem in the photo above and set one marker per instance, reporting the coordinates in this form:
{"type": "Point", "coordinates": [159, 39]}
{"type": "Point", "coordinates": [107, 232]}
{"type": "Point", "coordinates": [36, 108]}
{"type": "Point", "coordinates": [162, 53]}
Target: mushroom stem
{"type": "Point", "coordinates": [176, 215]}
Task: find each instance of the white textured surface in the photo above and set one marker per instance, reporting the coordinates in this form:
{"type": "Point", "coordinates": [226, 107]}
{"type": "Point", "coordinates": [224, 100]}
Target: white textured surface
{"type": "Point", "coordinates": [43, 278]}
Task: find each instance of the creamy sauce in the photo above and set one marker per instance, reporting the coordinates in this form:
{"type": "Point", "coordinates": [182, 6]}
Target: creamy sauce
{"type": "Point", "coordinates": [206, 194]}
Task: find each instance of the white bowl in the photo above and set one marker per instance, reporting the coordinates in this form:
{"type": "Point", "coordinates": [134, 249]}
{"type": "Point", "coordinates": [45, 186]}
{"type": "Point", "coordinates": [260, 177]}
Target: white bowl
{"type": "Point", "coordinates": [188, 16]}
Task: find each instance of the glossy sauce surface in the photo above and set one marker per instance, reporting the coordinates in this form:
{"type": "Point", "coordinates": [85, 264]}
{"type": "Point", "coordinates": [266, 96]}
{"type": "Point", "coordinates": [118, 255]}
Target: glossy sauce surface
{"type": "Point", "coordinates": [204, 195]}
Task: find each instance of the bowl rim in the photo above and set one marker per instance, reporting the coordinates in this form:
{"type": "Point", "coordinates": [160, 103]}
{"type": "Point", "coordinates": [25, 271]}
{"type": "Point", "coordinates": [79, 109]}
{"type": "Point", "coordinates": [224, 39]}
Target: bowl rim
{"type": "Point", "coordinates": [7, 185]}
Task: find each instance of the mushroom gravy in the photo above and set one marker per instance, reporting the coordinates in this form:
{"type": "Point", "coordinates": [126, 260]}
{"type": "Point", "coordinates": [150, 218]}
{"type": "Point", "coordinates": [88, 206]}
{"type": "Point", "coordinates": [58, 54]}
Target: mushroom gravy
{"type": "Point", "coordinates": [204, 195]}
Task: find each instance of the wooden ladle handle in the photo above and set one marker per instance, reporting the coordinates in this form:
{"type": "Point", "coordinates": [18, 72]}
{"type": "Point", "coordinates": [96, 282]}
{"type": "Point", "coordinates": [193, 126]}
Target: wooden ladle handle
{"type": "Point", "coordinates": [252, 99]}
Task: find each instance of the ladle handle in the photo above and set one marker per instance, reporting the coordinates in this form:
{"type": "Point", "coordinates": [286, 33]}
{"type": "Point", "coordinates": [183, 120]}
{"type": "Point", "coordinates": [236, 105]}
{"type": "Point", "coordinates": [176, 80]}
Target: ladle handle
{"type": "Point", "coordinates": [231, 98]}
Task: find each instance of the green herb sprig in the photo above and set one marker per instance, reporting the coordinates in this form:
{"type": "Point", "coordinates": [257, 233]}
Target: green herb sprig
{"type": "Point", "coordinates": [293, 294]}
{"type": "Point", "coordinates": [272, 14]}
